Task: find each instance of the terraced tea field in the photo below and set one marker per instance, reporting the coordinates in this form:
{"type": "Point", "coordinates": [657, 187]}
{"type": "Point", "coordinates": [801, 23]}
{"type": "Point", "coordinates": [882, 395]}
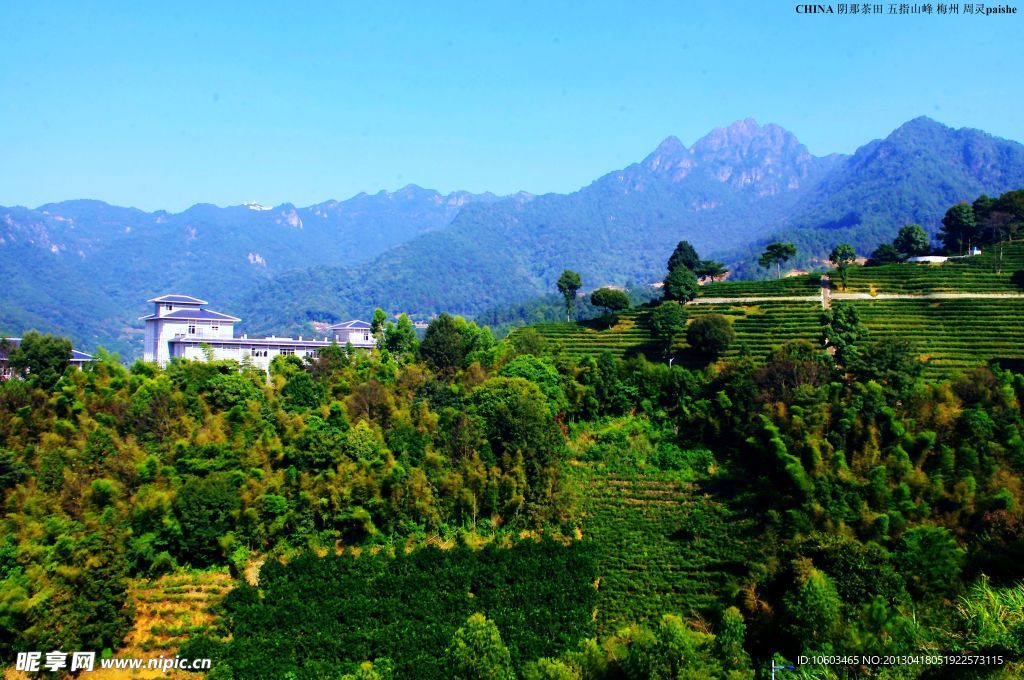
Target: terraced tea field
{"type": "Point", "coordinates": [759, 328]}
{"type": "Point", "coordinates": [807, 285]}
{"type": "Point", "coordinates": [168, 611]}
{"type": "Point", "coordinates": [951, 335]}
{"type": "Point", "coordinates": [975, 274]}
{"type": "Point", "coordinates": [655, 536]}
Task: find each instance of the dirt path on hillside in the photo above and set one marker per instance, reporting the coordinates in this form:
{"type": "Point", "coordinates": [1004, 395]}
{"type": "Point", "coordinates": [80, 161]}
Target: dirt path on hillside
{"type": "Point", "coordinates": [922, 296]}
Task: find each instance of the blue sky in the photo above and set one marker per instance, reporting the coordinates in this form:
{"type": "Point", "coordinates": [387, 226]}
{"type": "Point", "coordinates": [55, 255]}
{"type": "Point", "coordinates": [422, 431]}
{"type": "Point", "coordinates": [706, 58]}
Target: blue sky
{"type": "Point", "coordinates": [165, 106]}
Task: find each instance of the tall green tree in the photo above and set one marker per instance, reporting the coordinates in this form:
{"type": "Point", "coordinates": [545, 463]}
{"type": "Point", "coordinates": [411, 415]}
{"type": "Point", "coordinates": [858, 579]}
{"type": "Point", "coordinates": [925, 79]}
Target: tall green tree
{"type": "Point", "coordinates": [442, 347]}
{"type": "Point", "coordinates": [569, 283]}
{"type": "Point", "coordinates": [893, 362]}
{"type": "Point", "coordinates": [729, 641]}
{"type": "Point", "coordinates": [912, 241]}
{"type": "Point", "coordinates": [42, 359]}
{"type": "Point", "coordinates": [668, 320]}
{"type": "Point", "coordinates": [400, 338]}
{"type": "Point", "coordinates": [778, 254]}
{"type": "Point", "coordinates": [959, 229]}
{"type": "Point", "coordinates": [204, 507]}
{"type": "Point", "coordinates": [681, 285]}
{"type": "Point", "coordinates": [844, 332]}
{"type": "Point", "coordinates": [477, 652]}
{"type": "Point", "coordinates": [814, 608]}
{"type": "Point", "coordinates": [685, 255]}
{"type": "Point", "coordinates": [841, 257]}
{"type": "Point", "coordinates": [380, 317]}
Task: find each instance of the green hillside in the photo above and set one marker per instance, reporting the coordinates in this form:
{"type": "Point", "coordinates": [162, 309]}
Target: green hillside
{"type": "Point", "coordinates": [693, 547]}
{"type": "Point", "coordinates": [978, 274]}
{"type": "Point", "coordinates": [951, 335]}
{"type": "Point", "coordinates": [805, 285]}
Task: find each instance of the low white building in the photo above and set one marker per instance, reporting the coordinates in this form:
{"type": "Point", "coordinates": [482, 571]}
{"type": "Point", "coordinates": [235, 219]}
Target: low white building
{"type": "Point", "coordinates": [180, 327]}
{"type": "Point", "coordinates": [356, 332]}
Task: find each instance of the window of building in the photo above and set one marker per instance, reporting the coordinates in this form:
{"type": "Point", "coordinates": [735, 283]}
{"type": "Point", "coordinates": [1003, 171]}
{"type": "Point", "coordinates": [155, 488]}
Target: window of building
{"type": "Point", "coordinates": [168, 307]}
{"type": "Point", "coordinates": [287, 350]}
{"type": "Point", "coordinates": [215, 327]}
{"type": "Point", "coordinates": [192, 328]}
{"type": "Point", "coordinates": [366, 337]}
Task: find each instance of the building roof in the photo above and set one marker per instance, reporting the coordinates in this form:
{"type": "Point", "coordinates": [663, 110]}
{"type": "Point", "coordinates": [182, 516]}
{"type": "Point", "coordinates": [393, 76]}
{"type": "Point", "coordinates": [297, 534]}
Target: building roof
{"type": "Point", "coordinates": [179, 299]}
{"type": "Point", "coordinates": [260, 342]}
{"type": "Point", "coordinates": [353, 325]}
{"type": "Point", "coordinates": [76, 356]}
{"type": "Point", "coordinates": [192, 315]}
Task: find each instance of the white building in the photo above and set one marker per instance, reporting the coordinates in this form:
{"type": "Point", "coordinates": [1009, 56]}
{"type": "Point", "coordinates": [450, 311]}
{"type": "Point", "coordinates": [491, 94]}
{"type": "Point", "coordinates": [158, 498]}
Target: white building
{"type": "Point", "coordinates": [180, 327]}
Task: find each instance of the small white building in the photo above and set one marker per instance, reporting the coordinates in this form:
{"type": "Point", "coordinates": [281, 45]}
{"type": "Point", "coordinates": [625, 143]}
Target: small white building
{"type": "Point", "coordinates": [356, 332]}
{"type": "Point", "coordinates": [180, 327]}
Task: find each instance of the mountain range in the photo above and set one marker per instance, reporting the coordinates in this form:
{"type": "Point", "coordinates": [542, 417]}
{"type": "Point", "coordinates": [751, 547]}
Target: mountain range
{"type": "Point", "coordinates": [84, 268]}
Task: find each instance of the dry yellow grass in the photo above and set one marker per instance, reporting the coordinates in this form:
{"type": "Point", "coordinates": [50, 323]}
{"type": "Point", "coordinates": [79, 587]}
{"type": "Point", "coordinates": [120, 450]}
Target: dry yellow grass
{"type": "Point", "coordinates": [167, 611]}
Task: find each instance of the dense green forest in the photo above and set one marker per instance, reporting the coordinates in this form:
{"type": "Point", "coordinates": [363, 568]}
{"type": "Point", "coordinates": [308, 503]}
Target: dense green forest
{"type": "Point", "coordinates": [460, 507]}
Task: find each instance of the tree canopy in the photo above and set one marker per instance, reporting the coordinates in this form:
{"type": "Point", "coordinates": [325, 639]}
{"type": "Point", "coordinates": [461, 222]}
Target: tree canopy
{"type": "Point", "coordinates": [912, 240]}
{"type": "Point", "coordinates": [667, 321]}
{"type": "Point", "coordinates": [684, 255]}
{"type": "Point", "coordinates": [841, 257]}
{"type": "Point", "coordinates": [711, 334]}
{"type": "Point", "coordinates": [778, 254]}
{"type": "Point", "coordinates": [959, 229]}
{"type": "Point", "coordinates": [886, 253]}
{"type": "Point", "coordinates": [442, 347]}
{"type": "Point", "coordinates": [681, 285]}
{"type": "Point", "coordinates": [43, 358]}
{"type": "Point", "coordinates": [610, 299]}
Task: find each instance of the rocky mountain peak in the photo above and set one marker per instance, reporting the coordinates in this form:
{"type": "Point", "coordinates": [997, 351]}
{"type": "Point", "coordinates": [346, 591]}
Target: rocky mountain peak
{"type": "Point", "coordinates": [767, 158]}
{"type": "Point", "coordinates": [745, 138]}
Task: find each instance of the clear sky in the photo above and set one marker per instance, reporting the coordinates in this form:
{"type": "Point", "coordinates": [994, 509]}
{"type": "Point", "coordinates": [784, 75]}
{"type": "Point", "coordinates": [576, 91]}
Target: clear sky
{"type": "Point", "coordinates": [162, 105]}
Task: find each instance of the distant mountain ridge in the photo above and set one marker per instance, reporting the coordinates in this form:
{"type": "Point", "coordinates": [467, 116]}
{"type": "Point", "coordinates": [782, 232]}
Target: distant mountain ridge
{"type": "Point", "coordinates": [419, 252]}
{"type": "Point", "coordinates": [911, 176]}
